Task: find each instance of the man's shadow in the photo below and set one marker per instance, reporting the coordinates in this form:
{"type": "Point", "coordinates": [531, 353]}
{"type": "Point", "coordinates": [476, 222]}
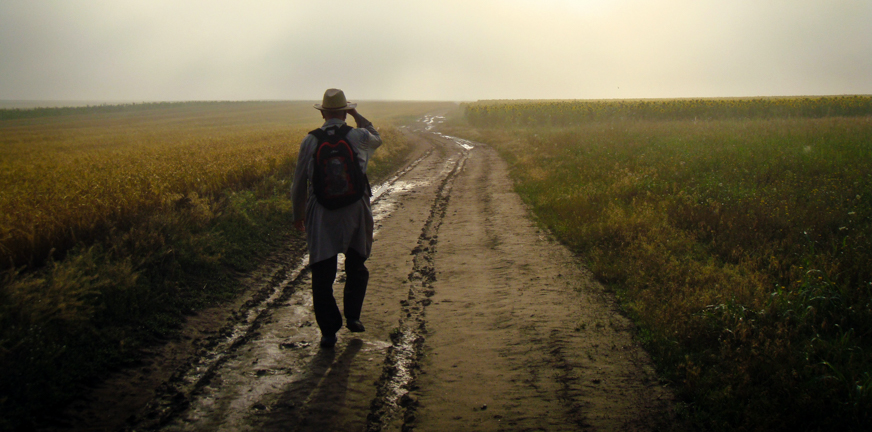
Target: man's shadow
{"type": "Point", "coordinates": [315, 401]}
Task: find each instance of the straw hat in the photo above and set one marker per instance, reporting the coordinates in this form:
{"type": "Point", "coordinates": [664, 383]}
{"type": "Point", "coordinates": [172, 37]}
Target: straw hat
{"type": "Point", "coordinates": [334, 100]}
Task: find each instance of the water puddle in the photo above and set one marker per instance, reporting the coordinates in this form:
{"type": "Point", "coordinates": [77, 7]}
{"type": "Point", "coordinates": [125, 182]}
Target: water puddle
{"type": "Point", "coordinates": [466, 144]}
{"type": "Point", "coordinates": [432, 121]}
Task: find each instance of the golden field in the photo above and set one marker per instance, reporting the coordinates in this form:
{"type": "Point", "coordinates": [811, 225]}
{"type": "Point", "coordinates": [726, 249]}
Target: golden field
{"type": "Point", "coordinates": [71, 177]}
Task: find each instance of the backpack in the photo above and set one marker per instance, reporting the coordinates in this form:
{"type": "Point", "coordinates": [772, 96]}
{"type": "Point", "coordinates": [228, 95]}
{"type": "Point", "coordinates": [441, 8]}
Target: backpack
{"type": "Point", "coordinates": [337, 179]}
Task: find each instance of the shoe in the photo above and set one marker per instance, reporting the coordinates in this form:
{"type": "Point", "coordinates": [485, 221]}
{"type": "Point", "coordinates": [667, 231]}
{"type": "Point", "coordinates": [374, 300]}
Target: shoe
{"type": "Point", "coordinates": [328, 341]}
{"type": "Point", "coordinates": [355, 326]}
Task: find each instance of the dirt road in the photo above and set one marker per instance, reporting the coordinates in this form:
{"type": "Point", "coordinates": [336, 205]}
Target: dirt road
{"type": "Point", "coordinates": [475, 320]}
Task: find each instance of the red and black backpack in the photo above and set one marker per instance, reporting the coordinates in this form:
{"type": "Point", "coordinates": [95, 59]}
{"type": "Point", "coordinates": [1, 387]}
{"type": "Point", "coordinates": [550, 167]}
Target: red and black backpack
{"type": "Point", "coordinates": [337, 180]}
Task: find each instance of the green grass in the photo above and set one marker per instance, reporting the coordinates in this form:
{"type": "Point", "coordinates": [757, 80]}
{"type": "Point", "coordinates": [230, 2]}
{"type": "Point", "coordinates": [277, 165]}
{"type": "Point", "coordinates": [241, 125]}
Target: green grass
{"type": "Point", "coordinates": [742, 247]}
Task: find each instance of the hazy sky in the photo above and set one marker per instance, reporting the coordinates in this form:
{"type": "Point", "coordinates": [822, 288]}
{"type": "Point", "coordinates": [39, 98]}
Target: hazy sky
{"type": "Point", "coordinates": [151, 50]}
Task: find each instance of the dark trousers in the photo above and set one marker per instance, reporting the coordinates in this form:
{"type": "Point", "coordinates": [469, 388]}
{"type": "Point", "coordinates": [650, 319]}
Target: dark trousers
{"type": "Point", "coordinates": [323, 275]}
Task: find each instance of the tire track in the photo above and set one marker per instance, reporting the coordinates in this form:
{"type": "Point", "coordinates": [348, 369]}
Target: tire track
{"type": "Point", "coordinates": [174, 397]}
{"type": "Point", "coordinates": [401, 363]}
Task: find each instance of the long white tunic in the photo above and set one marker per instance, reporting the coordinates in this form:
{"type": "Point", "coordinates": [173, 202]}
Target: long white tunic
{"type": "Point", "coordinates": [331, 232]}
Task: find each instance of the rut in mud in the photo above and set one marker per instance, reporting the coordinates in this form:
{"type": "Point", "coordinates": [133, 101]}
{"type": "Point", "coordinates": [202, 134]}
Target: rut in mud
{"type": "Point", "coordinates": [408, 339]}
{"type": "Point", "coordinates": [475, 320]}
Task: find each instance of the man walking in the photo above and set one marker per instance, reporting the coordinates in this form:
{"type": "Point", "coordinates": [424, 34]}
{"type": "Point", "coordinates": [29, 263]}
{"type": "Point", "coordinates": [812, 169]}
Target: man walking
{"type": "Point", "coordinates": [331, 204]}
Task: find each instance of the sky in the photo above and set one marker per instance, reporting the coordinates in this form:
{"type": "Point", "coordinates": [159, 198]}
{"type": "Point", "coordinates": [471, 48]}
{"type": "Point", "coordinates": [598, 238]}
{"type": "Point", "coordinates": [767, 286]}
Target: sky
{"type": "Point", "coordinates": [460, 50]}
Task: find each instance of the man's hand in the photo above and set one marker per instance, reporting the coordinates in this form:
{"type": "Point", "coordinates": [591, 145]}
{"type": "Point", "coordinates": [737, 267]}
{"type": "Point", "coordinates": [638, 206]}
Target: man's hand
{"type": "Point", "coordinates": [300, 225]}
{"type": "Point", "coordinates": [357, 118]}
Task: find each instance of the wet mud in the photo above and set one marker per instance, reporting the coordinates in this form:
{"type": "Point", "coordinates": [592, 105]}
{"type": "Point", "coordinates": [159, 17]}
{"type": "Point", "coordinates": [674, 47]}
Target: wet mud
{"type": "Point", "coordinates": [476, 320]}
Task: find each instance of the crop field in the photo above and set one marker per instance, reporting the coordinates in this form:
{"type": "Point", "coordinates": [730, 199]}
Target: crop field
{"type": "Point", "coordinates": [70, 174]}
{"type": "Point", "coordinates": [736, 232]}
{"type": "Point", "coordinates": [115, 221]}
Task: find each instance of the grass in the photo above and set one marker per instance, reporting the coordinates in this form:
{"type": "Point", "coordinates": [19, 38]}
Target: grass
{"type": "Point", "coordinates": [117, 223]}
{"type": "Point", "coordinates": [741, 246]}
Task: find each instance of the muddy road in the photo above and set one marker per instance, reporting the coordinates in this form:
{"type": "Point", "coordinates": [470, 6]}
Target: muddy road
{"type": "Point", "coordinates": [476, 320]}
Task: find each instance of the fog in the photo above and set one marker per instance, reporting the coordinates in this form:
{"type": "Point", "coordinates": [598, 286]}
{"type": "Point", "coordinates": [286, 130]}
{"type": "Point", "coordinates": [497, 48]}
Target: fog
{"type": "Point", "coordinates": [445, 50]}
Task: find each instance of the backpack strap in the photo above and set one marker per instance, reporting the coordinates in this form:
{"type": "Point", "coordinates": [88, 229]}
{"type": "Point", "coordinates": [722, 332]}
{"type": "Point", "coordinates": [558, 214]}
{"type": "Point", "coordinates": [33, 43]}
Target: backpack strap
{"type": "Point", "coordinates": [322, 135]}
{"type": "Point", "coordinates": [343, 131]}
{"type": "Point", "coordinates": [318, 133]}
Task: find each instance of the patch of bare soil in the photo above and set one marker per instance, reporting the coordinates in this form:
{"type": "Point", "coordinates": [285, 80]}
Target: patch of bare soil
{"type": "Point", "coordinates": [476, 320]}
{"type": "Point", "coordinates": [519, 337]}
